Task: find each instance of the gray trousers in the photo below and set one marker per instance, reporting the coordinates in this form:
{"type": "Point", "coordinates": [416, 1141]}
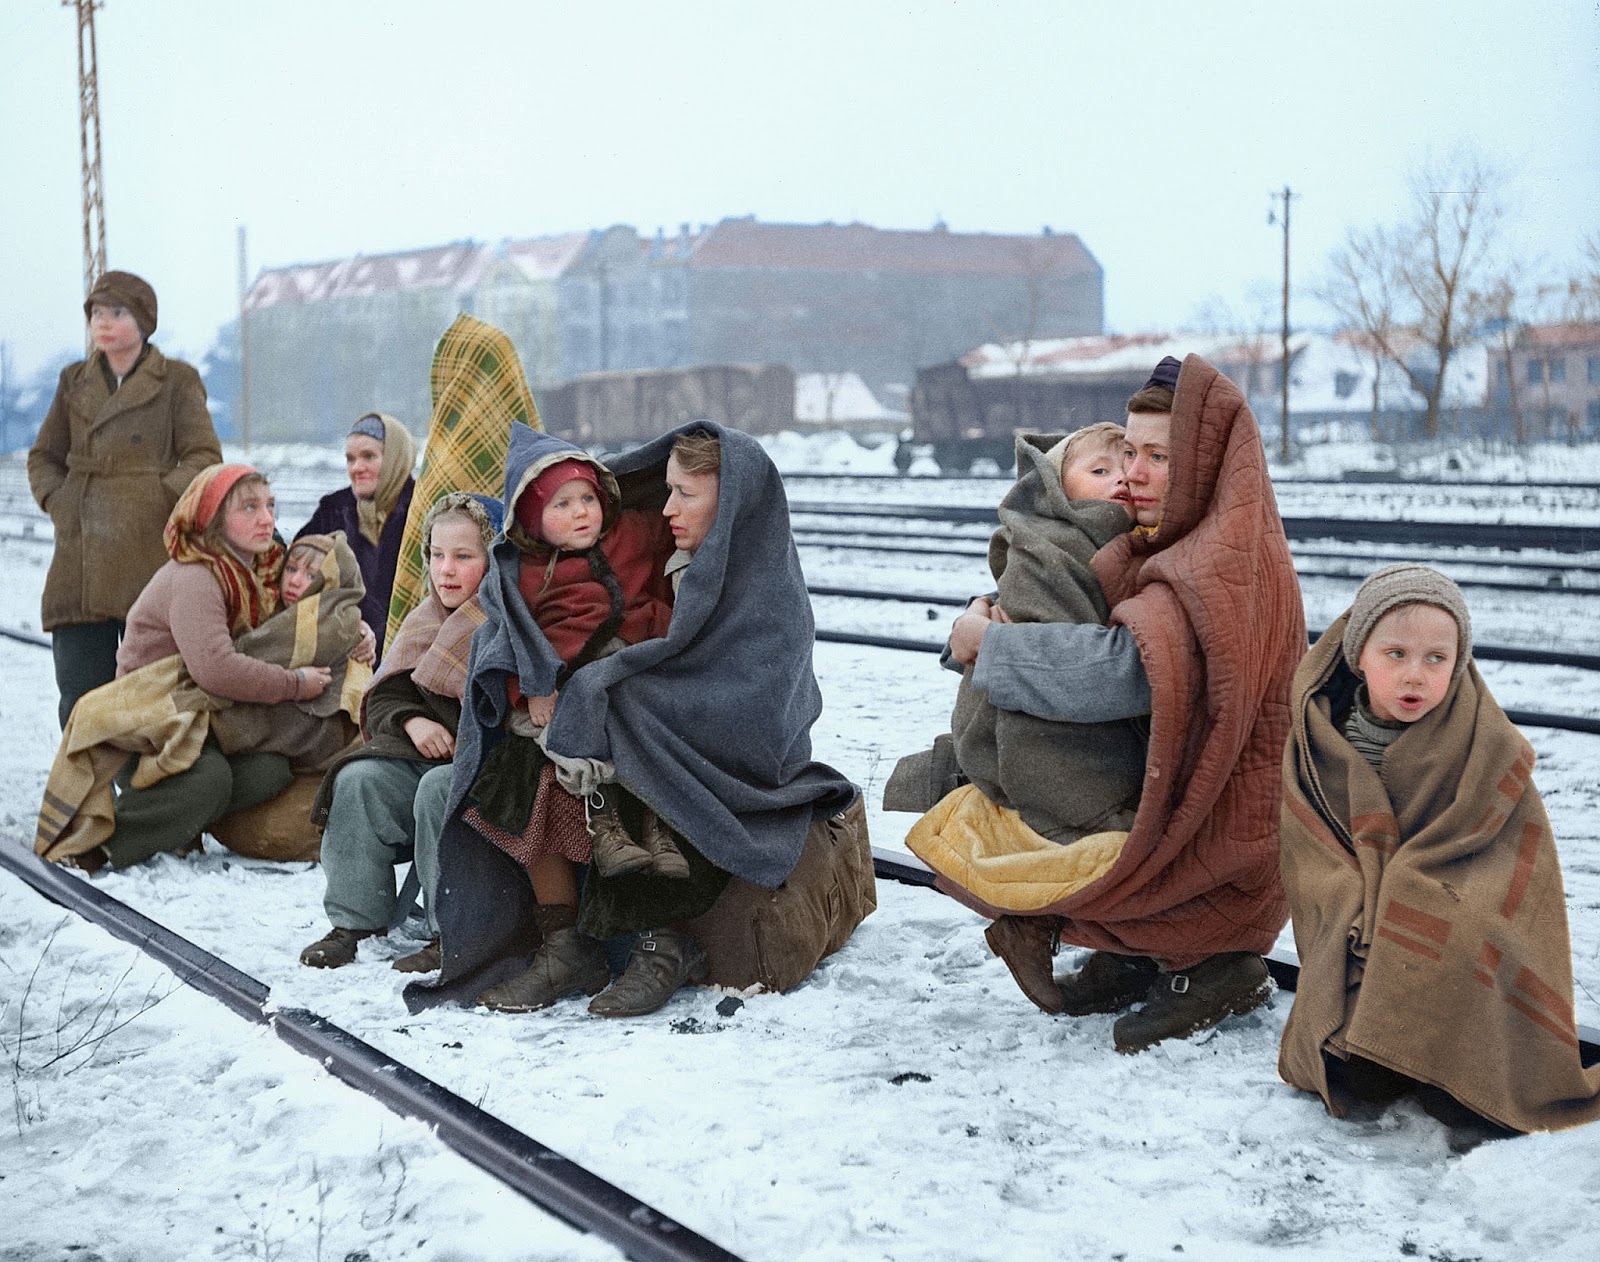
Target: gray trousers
{"type": "Point", "coordinates": [385, 812]}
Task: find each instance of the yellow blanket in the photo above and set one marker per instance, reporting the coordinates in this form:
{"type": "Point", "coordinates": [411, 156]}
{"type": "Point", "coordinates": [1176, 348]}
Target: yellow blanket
{"type": "Point", "coordinates": [997, 863]}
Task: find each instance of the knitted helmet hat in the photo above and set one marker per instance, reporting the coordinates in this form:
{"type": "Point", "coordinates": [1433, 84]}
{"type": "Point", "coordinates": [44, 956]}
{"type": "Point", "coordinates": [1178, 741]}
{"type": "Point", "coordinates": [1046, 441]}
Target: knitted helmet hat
{"type": "Point", "coordinates": [531, 503]}
{"type": "Point", "coordinates": [124, 289]}
{"type": "Point", "coordinates": [1397, 585]}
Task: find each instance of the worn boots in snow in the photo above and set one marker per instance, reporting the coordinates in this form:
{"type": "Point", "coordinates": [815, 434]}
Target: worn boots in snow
{"type": "Point", "coordinates": [428, 960]}
{"type": "Point", "coordinates": [336, 948]}
{"type": "Point", "coordinates": [1027, 945]}
{"type": "Point", "coordinates": [567, 963]}
{"type": "Point", "coordinates": [1181, 1004]}
{"type": "Point", "coordinates": [1107, 982]}
{"type": "Point", "coordinates": [662, 961]}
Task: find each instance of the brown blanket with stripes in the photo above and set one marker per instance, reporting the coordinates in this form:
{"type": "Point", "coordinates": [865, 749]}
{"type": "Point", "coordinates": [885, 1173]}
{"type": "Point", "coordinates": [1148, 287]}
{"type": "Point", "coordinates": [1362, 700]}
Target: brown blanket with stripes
{"type": "Point", "coordinates": [1428, 907]}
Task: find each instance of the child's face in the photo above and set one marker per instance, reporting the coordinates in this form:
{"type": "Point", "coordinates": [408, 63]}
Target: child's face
{"type": "Point", "coordinates": [1407, 662]}
{"type": "Point", "coordinates": [114, 329]}
{"type": "Point", "coordinates": [456, 560]}
{"type": "Point", "coordinates": [691, 505]}
{"type": "Point", "coordinates": [1093, 474]}
{"type": "Point", "coordinates": [299, 572]}
{"type": "Point", "coordinates": [572, 517]}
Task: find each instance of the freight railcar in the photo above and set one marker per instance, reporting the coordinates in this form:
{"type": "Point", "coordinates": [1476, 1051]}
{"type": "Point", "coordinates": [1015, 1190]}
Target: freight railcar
{"type": "Point", "coordinates": [614, 410]}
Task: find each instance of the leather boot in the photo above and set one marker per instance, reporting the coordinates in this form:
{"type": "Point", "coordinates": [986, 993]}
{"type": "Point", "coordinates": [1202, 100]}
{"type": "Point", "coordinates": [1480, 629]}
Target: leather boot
{"type": "Point", "coordinates": [1107, 982]}
{"type": "Point", "coordinates": [567, 962]}
{"type": "Point", "coordinates": [612, 851]}
{"type": "Point", "coordinates": [662, 961]}
{"type": "Point", "coordinates": [665, 857]}
{"type": "Point", "coordinates": [336, 948]}
{"type": "Point", "coordinates": [1181, 1004]}
{"type": "Point", "coordinates": [428, 960]}
{"type": "Point", "coordinates": [1027, 945]}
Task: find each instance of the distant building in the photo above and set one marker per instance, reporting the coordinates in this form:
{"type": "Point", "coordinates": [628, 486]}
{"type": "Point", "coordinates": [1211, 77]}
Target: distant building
{"type": "Point", "coordinates": [1546, 381]}
{"type": "Point", "coordinates": [328, 341]}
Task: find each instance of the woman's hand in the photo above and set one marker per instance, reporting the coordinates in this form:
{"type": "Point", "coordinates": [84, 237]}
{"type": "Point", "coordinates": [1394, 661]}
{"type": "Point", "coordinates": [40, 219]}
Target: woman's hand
{"type": "Point", "coordinates": [311, 682]}
{"type": "Point", "coordinates": [542, 709]}
{"type": "Point", "coordinates": [966, 635]}
{"type": "Point", "coordinates": [432, 739]}
{"type": "Point", "coordinates": [366, 649]}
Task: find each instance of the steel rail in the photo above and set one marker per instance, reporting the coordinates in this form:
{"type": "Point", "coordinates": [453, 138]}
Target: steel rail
{"type": "Point", "coordinates": [556, 1184]}
{"type": "Point", "coordinates": [1522, 718]}
{"type": "Point", "coordinates": [1283, 965]}
{"type": "Point", "coordinates": [1544, 535]}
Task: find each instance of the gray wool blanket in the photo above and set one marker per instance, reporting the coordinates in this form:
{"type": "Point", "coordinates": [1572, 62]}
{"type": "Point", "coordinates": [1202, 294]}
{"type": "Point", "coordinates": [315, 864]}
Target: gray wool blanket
{"type": "Point", "coordinates": [1066, 780]}
{"type": "Point", "coordinates": [709, 725]}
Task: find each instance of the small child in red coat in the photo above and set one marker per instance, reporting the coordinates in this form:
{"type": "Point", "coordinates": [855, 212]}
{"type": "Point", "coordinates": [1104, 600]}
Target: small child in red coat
{"type": "Point", "coordinates": [598, 589]}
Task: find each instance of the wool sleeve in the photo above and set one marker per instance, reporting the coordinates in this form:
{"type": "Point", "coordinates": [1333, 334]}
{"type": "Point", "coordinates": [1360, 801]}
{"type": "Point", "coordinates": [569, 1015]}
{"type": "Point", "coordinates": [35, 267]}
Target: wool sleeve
{"type": "Point", "coordinates": [1065, 672]}
{"type": "Point", "coordinates": [47, 458]}
{"type": "Point", "coordinates": [198, 618]}
{"type": "Point", "coordinates": [194, 438]}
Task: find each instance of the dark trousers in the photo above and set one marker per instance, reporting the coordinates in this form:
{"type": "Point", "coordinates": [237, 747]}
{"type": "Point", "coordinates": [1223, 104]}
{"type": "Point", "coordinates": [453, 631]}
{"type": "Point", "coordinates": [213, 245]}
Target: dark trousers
{"type": "Point", "coordinates": [86, 657]}
{"type": "Point", "coordinates": [173, 812]}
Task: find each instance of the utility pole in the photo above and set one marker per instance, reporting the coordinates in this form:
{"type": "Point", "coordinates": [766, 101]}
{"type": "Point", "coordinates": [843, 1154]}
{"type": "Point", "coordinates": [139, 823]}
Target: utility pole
{"type": "Point", "coordinates": [94, 207]}
{"type": "Point", "coordinates": [244, 346]}
{"type": "Point", "coordinates": [1283, 373]}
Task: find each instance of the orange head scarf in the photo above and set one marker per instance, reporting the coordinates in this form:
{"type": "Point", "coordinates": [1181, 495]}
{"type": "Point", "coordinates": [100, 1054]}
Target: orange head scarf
{"type": "Point", "coordinates": [250, 588]}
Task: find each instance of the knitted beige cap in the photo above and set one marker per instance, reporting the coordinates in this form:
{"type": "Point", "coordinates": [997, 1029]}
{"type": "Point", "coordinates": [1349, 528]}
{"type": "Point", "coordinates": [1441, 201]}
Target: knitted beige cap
{"type": "Point", "coordinates": [1396, 585]}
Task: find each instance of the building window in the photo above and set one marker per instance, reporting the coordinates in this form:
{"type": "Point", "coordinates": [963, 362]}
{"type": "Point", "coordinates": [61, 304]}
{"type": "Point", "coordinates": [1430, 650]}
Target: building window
{"type": "Point", "coordinates": [1344, 384]}
{"type": "Point", "coordinates": [1558, 371]}
{"type": "Point", "coordinates": [1535, 371]}
{"type": "Point", "coordinates": [1594, 414]}
{"type": "Point", "coordinates": [1594, 370]}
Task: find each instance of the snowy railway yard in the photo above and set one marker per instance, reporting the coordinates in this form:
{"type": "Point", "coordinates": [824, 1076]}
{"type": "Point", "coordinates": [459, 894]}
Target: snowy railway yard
{"type": "Point", "coordinates": [905, 1103]}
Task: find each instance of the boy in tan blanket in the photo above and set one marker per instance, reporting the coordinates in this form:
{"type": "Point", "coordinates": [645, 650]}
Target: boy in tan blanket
{"type": "Point", "coordinates": [1423, 880]}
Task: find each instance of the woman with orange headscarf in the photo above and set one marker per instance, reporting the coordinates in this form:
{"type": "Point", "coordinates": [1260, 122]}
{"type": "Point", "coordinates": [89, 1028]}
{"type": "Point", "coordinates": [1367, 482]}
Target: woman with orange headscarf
{"type": "Point", "coordinates": [220, 582]}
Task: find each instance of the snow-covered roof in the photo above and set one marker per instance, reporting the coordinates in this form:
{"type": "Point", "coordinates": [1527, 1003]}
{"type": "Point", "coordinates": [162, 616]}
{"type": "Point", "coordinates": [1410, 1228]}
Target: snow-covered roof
{"type": "Point", "coordinates": [821, 397]}
{"type": "Point", "coordinates": [1119, 354]}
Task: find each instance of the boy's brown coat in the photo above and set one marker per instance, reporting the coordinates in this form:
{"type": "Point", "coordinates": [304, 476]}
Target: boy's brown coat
{"type": "Point", "coordinates": [108, 468]}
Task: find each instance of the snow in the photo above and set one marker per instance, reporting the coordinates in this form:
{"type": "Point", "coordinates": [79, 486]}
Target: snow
{"type": "Point", "coordinates": [905, 1103]}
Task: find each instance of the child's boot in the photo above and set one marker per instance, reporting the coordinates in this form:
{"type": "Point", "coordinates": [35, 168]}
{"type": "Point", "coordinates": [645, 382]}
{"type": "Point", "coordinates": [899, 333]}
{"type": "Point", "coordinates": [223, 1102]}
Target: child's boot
{"type": "Point", "coordinates": [612, 851]}
{"type": "Point", "coordinates": [665, 857]}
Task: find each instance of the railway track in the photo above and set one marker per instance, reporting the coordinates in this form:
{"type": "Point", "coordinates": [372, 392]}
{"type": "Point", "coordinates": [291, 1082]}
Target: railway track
{"type": "Point", "coordinates": [572, 1193]}
{"type": "Point", "coordinates": [1514, 536]}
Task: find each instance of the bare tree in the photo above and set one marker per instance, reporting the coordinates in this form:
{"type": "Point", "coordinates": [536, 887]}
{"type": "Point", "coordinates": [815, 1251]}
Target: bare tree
{"type": "Point", "coordinates": [1583, 289]}
{"type": "Point", "coordinates": [1405, 286]}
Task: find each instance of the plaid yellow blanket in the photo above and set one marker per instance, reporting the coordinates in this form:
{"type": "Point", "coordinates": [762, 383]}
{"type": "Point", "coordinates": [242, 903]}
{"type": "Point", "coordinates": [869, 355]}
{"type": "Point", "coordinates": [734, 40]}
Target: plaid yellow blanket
{"type": "Point", "coordinates": [479, 393]}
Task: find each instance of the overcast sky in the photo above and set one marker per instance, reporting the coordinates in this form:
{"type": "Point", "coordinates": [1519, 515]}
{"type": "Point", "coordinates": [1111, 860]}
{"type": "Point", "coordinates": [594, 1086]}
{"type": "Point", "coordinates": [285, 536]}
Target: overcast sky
{"type": "Point", "coordinates": [1156, 131]}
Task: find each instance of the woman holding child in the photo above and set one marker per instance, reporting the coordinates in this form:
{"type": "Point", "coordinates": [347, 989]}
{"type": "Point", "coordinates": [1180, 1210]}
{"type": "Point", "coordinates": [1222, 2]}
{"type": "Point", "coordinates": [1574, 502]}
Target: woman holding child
{"type": "Point", "coordinates": [1205, 630]}
{"type": "Point", "coordinates": [220, 582]}
{"type": "Point", "coordinates": [698, 729]}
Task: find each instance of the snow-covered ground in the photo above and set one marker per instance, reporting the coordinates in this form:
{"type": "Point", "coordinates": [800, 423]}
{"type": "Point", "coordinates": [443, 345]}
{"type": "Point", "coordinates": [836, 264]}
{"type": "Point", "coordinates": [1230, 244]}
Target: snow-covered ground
{"type": "Point", "coordinates": [905, 1103]}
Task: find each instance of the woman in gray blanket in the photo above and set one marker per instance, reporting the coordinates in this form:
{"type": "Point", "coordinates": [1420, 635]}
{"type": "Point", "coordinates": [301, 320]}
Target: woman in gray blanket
{"type": "Point", "coordinates": [707, 727]}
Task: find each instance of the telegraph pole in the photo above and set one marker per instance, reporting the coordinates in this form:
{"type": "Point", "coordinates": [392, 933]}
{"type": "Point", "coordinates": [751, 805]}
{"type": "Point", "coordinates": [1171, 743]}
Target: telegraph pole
{"type": "Point", "coordinates": [1283, 374]}
{"type": "Point", "coordinates": [94, 207]}
{"type": "Point", "coordinates": [244, 345]}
